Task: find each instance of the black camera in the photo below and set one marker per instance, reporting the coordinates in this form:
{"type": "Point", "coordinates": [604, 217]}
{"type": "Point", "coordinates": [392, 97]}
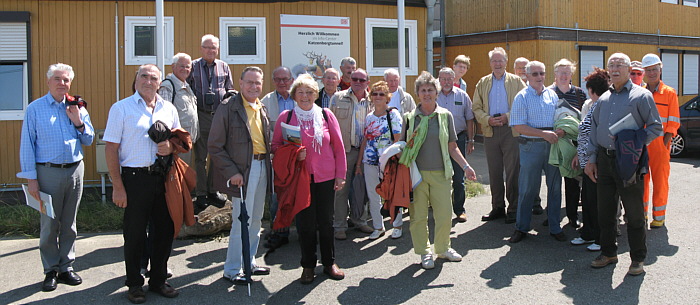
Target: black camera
{"type": "Point", "coordinates": [209, 98]}
{"type": "Point", "coordinates": [496, 115]}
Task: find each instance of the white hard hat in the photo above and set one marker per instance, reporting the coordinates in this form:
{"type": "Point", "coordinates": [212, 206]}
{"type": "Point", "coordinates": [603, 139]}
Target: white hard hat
{"type": "Point", "coordinates": [650, 60]}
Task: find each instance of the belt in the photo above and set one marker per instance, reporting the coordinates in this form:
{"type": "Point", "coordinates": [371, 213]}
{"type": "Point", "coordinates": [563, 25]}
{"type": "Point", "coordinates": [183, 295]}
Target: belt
{"type": "Point", "coordinates": [140, 170]}
{"type": "Point", "coordinates": [523, 140]}
{"type": "Point", "coordinates": [54, 165]}
{"type": "Point", "coordinates": [545, 128]}
{"type": "Point", "coordinates": [608, 152]}
{"type": "Point", "coordinates": [259, 156]}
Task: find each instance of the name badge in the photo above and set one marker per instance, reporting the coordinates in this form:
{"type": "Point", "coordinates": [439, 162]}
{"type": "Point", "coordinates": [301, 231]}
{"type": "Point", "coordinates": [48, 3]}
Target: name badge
{"type": "Point", "coordinates": [458, 103]}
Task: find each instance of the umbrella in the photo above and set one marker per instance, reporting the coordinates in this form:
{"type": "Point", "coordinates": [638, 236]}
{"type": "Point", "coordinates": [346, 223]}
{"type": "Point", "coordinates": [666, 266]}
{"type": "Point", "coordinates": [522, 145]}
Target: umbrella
{"type": "Point", "coordinates": [359, 197]}
{"type": "Point", "coordinates": [245, 242]}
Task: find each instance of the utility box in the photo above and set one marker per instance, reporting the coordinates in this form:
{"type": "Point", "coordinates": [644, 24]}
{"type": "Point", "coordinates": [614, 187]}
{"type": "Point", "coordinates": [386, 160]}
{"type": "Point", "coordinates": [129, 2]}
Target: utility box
{"type": "Point", "coordinates": [100, 146]}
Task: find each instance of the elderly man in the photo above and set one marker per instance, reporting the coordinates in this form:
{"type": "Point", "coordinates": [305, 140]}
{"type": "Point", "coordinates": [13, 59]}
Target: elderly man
{"type": "Point", "coordinates": [460, 105]}
{"type": "Point", "coordinates": [348, 65]}
{"type": "Point", "coordinates": [532, 116]}
{"type": "Point", "coordinates": [51, 159]}
{"type": "Point", "coordinates": [210, 80]}
{"type": "Point", "coordinates": [280, 99]}
{"type": "Point", "coordinates": [400, 99]}
{"type": "Point", "coordinates": [461, 65]}
{"type": "Point", "coordinates": [175, 89]}
{"type": "Point", "coordinates": [351, 108]}
{"type": "Point", "coordinates": [243, 165]}
{"type": "Point", "coordinates": [637, 74]}
{"type": "Point", "coordinates": [659, 153]}
{"type": "Point", "coordinates": [493, 98]}
{"type": "Point", "coordinates": [137, 188]}
{"type": "Point", "coordinates": [331, 80]}
{"type": "Point", "coordinates": [519, 67]}
{"type": "Point", "coordinates": [623, 98]}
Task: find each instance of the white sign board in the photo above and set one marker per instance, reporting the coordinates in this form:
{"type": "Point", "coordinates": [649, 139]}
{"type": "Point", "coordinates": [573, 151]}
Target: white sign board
{"type": "Point", "coordinates": [311, 44]}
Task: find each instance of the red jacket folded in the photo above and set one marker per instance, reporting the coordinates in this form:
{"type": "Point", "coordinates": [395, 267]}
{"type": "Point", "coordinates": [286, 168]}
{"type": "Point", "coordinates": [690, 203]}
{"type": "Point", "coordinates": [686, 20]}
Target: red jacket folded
{"type": "Point", "coordinates": [179, 182]}
{"type": "Point", "coordinates": [292, 184]}
{"type": "Point", "coordinates": [395, 187]}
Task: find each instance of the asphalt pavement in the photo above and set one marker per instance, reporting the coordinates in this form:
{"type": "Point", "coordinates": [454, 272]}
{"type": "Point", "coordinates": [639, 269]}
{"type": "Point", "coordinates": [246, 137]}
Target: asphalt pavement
{"type": "Point", "coordinates": [538, 270]}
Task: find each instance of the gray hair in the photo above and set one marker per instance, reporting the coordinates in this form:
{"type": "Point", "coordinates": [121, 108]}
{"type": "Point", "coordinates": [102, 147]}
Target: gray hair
{"type": "Point", "coordinates": [179, 56]}
{"type": "Point", "coordinates": [210, 37]}
{"type": "Point", "coordinates": [622, 56]}
{"type": "Point", "coordinates": [519, 60]}
{"type": "Point", "coordinates": [331, 70]}
{"type": "Point", "coordinates": [390, 71]}
{"type": "Point", "coordinates": [251, 69]}
{"type": "Point", "coordinates": [533, 63]}
{"type": "Point", "coordinates": [447, 70]}
{"type": "Point", "coordinates": [304, 80]}
{"type": "Point", "coordinates": [363, 71]}
{"type": "Point", "coordinates": [347, 60]}
{"type": "Point", "coordinates": [565, 63]}
{"type": "Point", "coordinates": [425, 78]}
{"type": "Point", "coordinates": [283, 68]}
{"type": "Point", "coordinates": [498, 50]}
{"type": "Point", "coordinates": [60, 67]}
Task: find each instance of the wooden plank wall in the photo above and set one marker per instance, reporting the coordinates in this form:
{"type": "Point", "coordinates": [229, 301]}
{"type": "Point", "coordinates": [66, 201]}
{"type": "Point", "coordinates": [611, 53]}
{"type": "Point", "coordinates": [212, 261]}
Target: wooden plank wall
{"type": "Point", "coordinates": [475, 16]}
{"type": "Point", "coordinates": [81, 33]}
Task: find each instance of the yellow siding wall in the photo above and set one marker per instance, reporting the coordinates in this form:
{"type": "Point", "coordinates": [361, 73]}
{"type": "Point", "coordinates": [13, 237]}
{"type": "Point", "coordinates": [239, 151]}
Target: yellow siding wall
{"type": "Point", "coordinates": [81, 33]}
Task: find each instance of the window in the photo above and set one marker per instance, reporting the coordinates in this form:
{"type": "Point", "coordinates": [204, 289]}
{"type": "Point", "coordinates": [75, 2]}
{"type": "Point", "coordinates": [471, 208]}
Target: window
{"type": "Point", "coordinates": [382, 43]}
{"type": "Point", "coordinates": [14, 67]}
{"type": "Point", "coordinates": [690, 3]}
{"type": "Point", "coordinates": [140, 40]}
{"type": "Point", "coordinates": [691, 73]}
{"type": "Point", "coordinates": [589, 58]}
{"type": "Point", "coordinates": [670, 1]}
{"type": "Point", "coordinates": [669, 73]}
{"type": "Point", "coordinates": [242, 40]}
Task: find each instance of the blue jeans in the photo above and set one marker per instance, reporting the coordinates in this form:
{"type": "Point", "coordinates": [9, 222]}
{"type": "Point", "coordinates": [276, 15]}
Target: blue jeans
{"type": "Point", "coordinates": [533, 159]}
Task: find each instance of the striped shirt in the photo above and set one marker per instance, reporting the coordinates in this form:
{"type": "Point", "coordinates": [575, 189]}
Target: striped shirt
{"type": "Point", "coordinates": [221, 82]}
{"type": "Point", "coordinates": [128, 123]}
{"type": "Point", "coordinates": [584, 131]}
{"type": "Point", "coordinates": [48, 135]}
{"type": "Point", "coordinates": [534, 110]}
{"type": "Point", "coordinates": [575, 96]}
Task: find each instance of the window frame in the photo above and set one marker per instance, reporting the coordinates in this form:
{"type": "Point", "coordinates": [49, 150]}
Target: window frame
{"type": "Point", "coordinates": [668, 72]}
{"type": "Point", "coordinates": [260, 58]}
{"type": "Point", "coordinates": [670, 1]}
{"type": "Point", "coordinates": [582, 70]}
{"type": "Point", "coordinates": [411, 25]}
{"type": "Point", "coordinates": [687, 86]}
{"type": "Point", "coordinates": [19, 17]}
{"type": "Point", "coordinates": [692, 3]}
{"type": "Point", "coordinates": [130, 58]}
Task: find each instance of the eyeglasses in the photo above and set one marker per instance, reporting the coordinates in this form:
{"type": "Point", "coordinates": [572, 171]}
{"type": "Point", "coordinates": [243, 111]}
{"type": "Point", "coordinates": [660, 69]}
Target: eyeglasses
{"type": "Point", "coordinates": [636, 73]}
{"type": "Point", "coordinates": [378, 94]}
{"type": "Point", "coordinates": [281, 80]}
{"type": "Point", "coordinates": [360, 80]}
{"type": "Point", "coordinates": [537, 73]}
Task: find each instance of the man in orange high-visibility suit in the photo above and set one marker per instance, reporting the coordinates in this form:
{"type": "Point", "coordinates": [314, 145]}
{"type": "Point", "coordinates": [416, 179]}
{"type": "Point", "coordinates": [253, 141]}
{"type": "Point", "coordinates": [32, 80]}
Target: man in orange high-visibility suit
{"type": "Point", "coordinates": [659, 156]}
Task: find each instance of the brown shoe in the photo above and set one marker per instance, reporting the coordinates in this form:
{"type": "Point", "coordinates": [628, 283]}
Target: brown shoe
{"type": "Point", "coordinates": [365, 229]}
{"type": "Point", "coordinates": [307, 276]}
{"type": "Point", "coordinates": [602, 261]}
{"type": "Point", "coordinates": [334, 272]}
{"type": "Point", "coordinates": [636, 268]}
{"type": "Point", "coordinates": [340, 235]}
{"type": "Point", "coordinates": [136, 295]}
{"type": "Point", "coordinates": [166, 290]}
{"type": "Point", "coordinates": [462, 217]}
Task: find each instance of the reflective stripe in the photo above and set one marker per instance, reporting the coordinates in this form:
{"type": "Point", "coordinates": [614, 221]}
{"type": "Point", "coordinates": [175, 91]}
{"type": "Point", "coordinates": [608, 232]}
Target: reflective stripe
{"type": "Point", "coordinates": [664, 120]}
{"type": "Point", "coordinates": [660, 208]}
{"type": "Point", "coordinates": [674, 119]}
{"type": "Point", "coordinates": [660, 218]}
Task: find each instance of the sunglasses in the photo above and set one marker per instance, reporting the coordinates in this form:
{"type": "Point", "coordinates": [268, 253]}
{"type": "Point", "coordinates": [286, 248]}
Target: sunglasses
{"type": "Point", "coordinates": [636, 73]}
{"type": "Point", "coordinates": [378, 94]}
{"type": "Point", "coordinates": [537, 73]}
{"type": "Point", "coordinates": [361, 80]}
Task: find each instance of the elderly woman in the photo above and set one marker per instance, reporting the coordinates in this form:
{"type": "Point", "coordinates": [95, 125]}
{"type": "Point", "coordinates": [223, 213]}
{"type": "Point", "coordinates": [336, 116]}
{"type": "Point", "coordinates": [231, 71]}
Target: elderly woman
{"type": "Point", "coordinates": [378, 136]}
{"type": "Point", "coordinates": [563, 70]}
{"type": "Point", "coordinates": [324, 157]}
{"type": "Point", "coordinates": [597, 84]}
{"type": "Point", "coordinates": [431, 140]}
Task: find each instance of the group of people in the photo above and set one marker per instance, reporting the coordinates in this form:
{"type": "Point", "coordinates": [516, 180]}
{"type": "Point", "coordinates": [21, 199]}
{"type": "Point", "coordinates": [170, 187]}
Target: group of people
{"type": "Point", "coordinates": [350, 128]}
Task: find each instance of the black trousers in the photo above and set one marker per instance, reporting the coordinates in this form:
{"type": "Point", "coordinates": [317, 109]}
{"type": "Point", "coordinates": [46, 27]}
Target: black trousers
{"type": "Point", "coordinates": [317, 219]}
{"type": "Point", "coordinates": [589, 202]}
{"type": "Point", "coordinates": [145, 195]}
{"type": "Point", "coordinates": [572, 193]}
{"type": "Point", "coordinates": [609, 183]}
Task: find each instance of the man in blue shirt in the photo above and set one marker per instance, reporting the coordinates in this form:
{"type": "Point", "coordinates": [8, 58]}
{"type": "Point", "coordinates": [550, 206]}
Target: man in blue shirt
{"type": "Point", "coordinates": [51, 159]}
{"type": "Point", "coordinates": [532, 116]}
{"type": "Point", "coordinates": [280, 99]}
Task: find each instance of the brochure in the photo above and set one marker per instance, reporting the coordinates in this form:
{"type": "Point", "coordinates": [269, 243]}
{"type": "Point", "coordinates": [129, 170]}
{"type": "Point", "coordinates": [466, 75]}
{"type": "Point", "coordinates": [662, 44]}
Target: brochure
{"type": "Point", "coordinates": [626, 122]}
{"type": "Point", "coordinates": [291, 134]}
{"type": "Point", "coordinates": [45, 206]}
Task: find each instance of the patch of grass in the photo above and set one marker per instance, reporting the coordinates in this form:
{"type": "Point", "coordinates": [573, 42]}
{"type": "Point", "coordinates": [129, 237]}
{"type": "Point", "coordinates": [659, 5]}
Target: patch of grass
{"type": "Point", "coordinates": [473, 189]}
{"type": "Point", "coordinates": [93, 216]}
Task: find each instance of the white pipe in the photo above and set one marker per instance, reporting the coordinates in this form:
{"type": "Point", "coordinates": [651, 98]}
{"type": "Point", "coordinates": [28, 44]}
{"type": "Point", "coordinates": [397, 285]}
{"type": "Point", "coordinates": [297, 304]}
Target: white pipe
{"type": "Point", "coordinates": [116, 46]}
{"type": "Point", "coordinates": [429, 35]}
{"type": "Point", "coordinates": [160, 37]}
{"type": "Point", "coordinates": [402, 42]}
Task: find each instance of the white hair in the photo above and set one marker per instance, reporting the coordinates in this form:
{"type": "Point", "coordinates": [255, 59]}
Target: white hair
{"type": "Point", "coordinates": [329, 70]}
{"type": "Point", "coordinates": [520, 60]}
{"type": "Point", "coordinates": [622, 56]}
{"type": "Point", "coordinates": [534, 63]}
{"type": "Point", "coordinates": [565, 63]}
{"type": "Point", "coordinates": [60, 67]}
{"type": "Point", "coordinates": [447, 70]}
{"type": "Point", "coordinates": [498, 50]}
{"type": "Point", "coordinates": [347, 60]}
{"type": "Point", "coordinates": [179, 56]}
{"type": "Point", "coordinates": [211, 37]}
{"type": "Point", "coordinates": [390, 71]}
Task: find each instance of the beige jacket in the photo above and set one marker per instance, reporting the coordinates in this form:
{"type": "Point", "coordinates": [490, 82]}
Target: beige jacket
{"type": "Point", "coordinates": [343, 106]}
{"type": "Point", "coordinates": [481, 100]}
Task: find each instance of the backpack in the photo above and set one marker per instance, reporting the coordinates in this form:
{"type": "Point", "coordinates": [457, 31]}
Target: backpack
{"type": "Point", "coordinates": [172, 99]}
{"type": "Point", "coordinates": [289, 116]}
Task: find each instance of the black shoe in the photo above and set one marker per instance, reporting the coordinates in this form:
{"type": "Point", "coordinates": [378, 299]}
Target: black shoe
{"type": "Point", "coordinates": [136, 295]}
{"type": "Point", "coordinates": [537, 209]}
{"type": "Point", "coordinates": [70, 278]}
{"type": "Point", "coordinates": [217, 199]}
{"type": "Point", "coordinates": [559, 236]}
{"type": "Point", "coordinates": [574, 223]}
{"type": "Point", "coordinates": [276, 241]}
{"type": "Point", "coordinates": [200, 204]}
{"type": "Point", "coordinates": [260, 270]}
{"type": "Point", "coordinates": [517, 237]}
{"type": "Point", "coordinates": [545, 223]}
{"type": "Point", "coordinates": [494, 214]}
{"type": "Point", "coordinates": [50, 282]}
{"type": "Point", "coordinates": [166, 290]}
{"type": "Point", "coordinates": [511, 217]}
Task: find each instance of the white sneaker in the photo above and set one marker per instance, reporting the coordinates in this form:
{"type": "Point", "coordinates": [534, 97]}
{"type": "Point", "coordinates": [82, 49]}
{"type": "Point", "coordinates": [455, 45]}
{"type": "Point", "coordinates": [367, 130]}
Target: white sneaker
{"type": "Point", "coordinates": [377, 234]}
{"type": "Point", "coordinates": [451, 255]}
{"type": "Point", "coordinates": [426, 261]}
{"type": "Point", "coordinates": [593, 247]}
{"type": "Point", "coordinates": [144, 272]}
{"type": "Point", "coordinates": [580, 241]}
{"type": "Point", "coordinates": [396, 233]}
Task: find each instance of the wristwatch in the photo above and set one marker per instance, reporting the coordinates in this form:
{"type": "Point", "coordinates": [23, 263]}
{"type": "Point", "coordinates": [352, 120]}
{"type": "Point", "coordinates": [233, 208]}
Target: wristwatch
{"type": "Point", "coordinates": [470, 140]}
{"type": "Point", "coordinates": [465, 167]}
